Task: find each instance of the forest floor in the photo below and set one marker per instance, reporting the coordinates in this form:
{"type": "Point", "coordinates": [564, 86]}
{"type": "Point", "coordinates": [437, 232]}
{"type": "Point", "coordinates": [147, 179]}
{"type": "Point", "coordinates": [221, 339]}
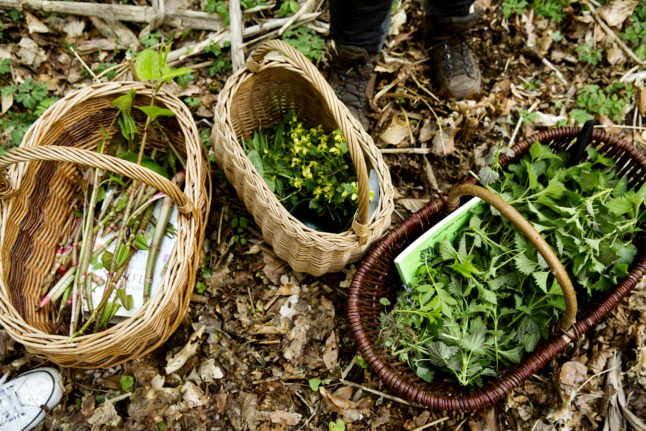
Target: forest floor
{"type": "Point", "coordinates": [245, 363]}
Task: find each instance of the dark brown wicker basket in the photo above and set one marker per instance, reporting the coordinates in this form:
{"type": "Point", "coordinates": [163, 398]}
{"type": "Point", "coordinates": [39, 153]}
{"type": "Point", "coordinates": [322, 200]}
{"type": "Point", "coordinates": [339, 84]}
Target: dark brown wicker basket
{"type": "Point", "coordinates": [377, 277]}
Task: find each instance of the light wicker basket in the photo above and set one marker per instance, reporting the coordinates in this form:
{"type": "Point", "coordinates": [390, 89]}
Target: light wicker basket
{"type": "Point", "coordinates": [260, 95]}
{"type": "Point", "coordinates": [37, 184]}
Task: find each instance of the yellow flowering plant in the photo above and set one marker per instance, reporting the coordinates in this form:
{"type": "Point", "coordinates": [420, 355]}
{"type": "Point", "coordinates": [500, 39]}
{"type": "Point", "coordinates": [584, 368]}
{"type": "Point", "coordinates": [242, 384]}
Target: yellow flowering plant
{"type": "Point", "coordinates": [299, 162]}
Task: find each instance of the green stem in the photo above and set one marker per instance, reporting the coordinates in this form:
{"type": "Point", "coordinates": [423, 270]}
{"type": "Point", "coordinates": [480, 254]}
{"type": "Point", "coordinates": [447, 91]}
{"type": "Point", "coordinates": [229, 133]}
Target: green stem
{"type": "Point", "coordinates": [160, 229]}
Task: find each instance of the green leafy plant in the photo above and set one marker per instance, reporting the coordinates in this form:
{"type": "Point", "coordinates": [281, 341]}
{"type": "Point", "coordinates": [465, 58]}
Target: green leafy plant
{"type": "Point", "coordinates": [249, 4]}
{"type": "Point", "coordinates": [315, 383]}
{"type": "Point", "coordinates": [287, 8]}
{"type": "Point", "coordinates": [34, 100]}
{"type": "Point", "coordinates": [219, 7]}
{"type": "Point", "coordinates": [361, 362]}
{"type": "Point", "coordinates": [127, 382]}
{"type": "Point", "coordinates": [299, 163]}
{"type": "Point", "coordinates": [610, 101]}
{"type": "Point", "coordinates": [309, 43]}
{"type": "Point", "coordinates": [486, 298]}
{"type": "Point", "coordinates": [220, 63]}
{"type": "Point", "coordinates": [532, 85]}
{"type": "Point", "coordinates": [240, 224]}
{"type": "Point", "coordinates": [635, 33]}
{"type": "Point", "coordinates": [200, 287]}
{"type": "Point", "coordinates": [510, 7]}
{"type": "Point", "coordinates": [339, 425]}
{"type": "Point", "coordinates": [588, 54]}
{"type": "Point", "coordinates": [551, 9]}
{"type": "Point", "coordinates": [5, 65]}
{"type": "Point", "coordinates": [151, 39]}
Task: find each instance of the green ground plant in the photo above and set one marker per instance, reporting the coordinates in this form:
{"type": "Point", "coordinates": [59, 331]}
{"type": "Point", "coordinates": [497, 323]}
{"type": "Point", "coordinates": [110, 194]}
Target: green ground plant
{"type": "Point", "coordinates": [483, 300]}
{"type": "Point", "coordinates": [611, 101]}
{"type": "Point", "coordinates": [220, 62]}
{"type": "Point", "coordinates": [32, 99]}
{"type": "Point", "coordinates": [308, 42]}
{"type": "Point", "coordinates": [589, 54]}
{"type": "Point", "coordinates": [635, 33]}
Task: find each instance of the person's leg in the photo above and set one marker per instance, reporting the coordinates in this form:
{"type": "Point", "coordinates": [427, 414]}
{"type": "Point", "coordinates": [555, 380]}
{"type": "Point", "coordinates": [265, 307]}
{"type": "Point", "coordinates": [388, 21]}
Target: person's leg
{"type": "Point", "coordinates": [455, 67]}
{"type": "Point", "coordinates": [360, 23]}
{"type": "Point", "coordinates": [358, 29]}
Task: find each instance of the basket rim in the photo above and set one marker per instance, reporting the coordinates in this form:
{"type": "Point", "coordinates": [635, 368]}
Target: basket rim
{"type": "Point", "coordinates": [385, 205]}
{"type": "Point", "coordinates": [410, 388]}
{"type": "Point", "coordinates": [190, 229]}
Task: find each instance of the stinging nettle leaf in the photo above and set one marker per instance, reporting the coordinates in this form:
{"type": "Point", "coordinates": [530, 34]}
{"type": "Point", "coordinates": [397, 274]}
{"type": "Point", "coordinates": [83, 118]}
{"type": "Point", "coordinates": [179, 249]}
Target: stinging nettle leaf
{"type": "Point", "coordinates": [148, 65]}
{"type": "Point", "coordinates": [155, 111]}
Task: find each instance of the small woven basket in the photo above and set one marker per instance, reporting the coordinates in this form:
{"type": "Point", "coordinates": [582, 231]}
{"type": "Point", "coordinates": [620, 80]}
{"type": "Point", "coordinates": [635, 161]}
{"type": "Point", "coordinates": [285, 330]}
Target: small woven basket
{"type": "Point", "coordinates": [260, 95]}
{"type": "Point", "coordinates": [377, 277]}
{"type": "Point", "coordinates": [38, 181]}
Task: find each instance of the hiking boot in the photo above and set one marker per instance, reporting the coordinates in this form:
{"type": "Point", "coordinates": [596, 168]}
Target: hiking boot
{"type": "Point", "coordinates": [352, 78]}
{"type": "Point", "coordinates": [455, 66]}
{"type": "Point", "coordinates": [25, 399]}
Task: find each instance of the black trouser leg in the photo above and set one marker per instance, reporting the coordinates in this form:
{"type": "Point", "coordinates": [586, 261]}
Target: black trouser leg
{"type": "Point", "coordinates": [362, 23]}
{"type": "Point", "coordinates": [446, 9]}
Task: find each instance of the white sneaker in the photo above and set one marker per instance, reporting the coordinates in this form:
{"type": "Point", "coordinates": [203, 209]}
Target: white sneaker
{"type": "Point", "coordinates": [23, 400]}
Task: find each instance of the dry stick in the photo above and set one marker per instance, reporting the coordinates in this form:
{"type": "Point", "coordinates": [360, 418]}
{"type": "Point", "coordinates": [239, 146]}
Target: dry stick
{"type": "Point", "coordinates": [612, 34]}
{"type": "Point", "coordinates": [174, 17]}
{"type": "Point", "coordinates": [85, 66]}
{"type": "Point", "coordinates": [518, 124]}
{"type": "Point", "coordinates": [376, 392]}
{"type": "Point", "coordinates": [181, 54]}
{"type": "Point", "coordinates": [235, 28]}
{"type": "Point", "coordinates": [547, 63]}
{"type": "Point", "coordinates": [302, 11]}
{"type": "Point", "coordinates": [416, 150]}
{"type": "Point", "coordinates": [430, 424]}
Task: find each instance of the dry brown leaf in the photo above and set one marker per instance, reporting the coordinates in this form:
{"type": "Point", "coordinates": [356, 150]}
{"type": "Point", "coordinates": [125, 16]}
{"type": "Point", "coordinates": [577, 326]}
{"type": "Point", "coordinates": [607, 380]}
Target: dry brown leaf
{"type": "Point", "coordinates": [193, 396]}
{"type": "Point", "coordinates": [350, 410]}
{"type": "Point", "coordinates": [30, 54]}
{"type": "Point", "coordinates": [34, 25]}
{"type": "Point", "coordinates": [285, 418]}
{"type": "Point", "coordinates": [412, 204]}
{"type": "Point", "coordinates": [396, 21]}
{"type": "Point", "coordinates": [484, 420]}
{"type": "Point", "coordinates": [615, 55]}
{"type": "Point", "coordinates": [615, 12]}
{"type": "Point", "coordinates": [396, 132]}
{"type": "Point", "coordinates": [105, 414]}
{"type": "Point", "coordinates": [7, 102]}
{"type": "Point", "coordinates": [331, 353]}
{"type": "Point", "coordinates": [573, 373]}
{"type": "Point", "coordinates": [178, 361]}
{"type": "Point", "coordinates": [209, 372]}
{"type": "Point", "coordinates": [444, 139]}
{"type": "Point", "coordinates": [427, 131]}
{"type": "Point", "coordinates": [641, 101]}
{"type": "Point", "coordinates": [297, 340]}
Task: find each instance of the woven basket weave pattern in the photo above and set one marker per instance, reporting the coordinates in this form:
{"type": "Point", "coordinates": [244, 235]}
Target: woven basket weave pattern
{"type": "Point", "coordinates": [33, 218]}
{"type": "Point", "coordinates": [376, 277]}
{"type": "Point", "coordinates": [260, 98]}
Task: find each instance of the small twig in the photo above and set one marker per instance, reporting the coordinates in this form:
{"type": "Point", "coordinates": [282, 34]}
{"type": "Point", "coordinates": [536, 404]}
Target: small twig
{"type": "Point", "coordinates": [612, 34]}
{"type": "Point", "coordinates": [220, 224]}
{"type": "Point", "coordinates": [302, 11]}
{"type": "Point", "coordinates": [430, 424]}
{"type": "Point", "coordinates": [416, 150]}
{"type": "Point", "coordinates": [376, 392]}
{"type": "Point", "coordinates": [424, 89]}
{"type": "Point", "coordinates": [547, 63]}
{"type": "Point", "coordinates": [519, 123]}
{"type": "Point", "coordinates": [85, 66]}
{"type": "Point", "coordinates": [347, 369]}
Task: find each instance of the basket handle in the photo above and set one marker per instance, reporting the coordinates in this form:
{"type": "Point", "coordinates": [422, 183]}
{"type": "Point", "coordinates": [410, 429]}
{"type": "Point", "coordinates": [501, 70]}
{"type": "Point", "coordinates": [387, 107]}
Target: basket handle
{"type": "Point", "coordinates": [569, 317]}
{"type": "Point", "coordinates": [83, 157]}
{"type": "Point", "coordinates": [360, 224]}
